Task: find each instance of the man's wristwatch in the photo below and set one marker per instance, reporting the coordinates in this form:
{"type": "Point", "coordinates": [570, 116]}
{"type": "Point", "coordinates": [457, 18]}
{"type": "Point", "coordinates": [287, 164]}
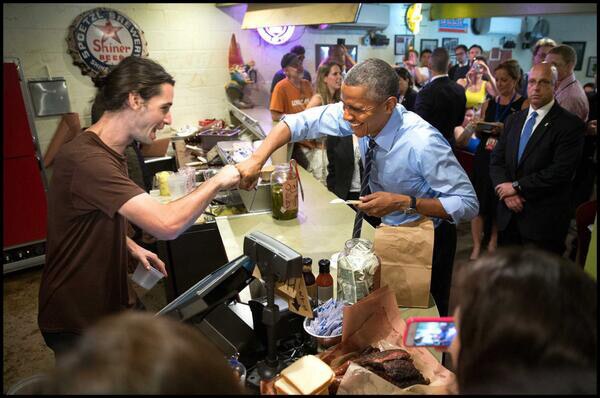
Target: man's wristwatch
{"type": "Point", "coordinates": [516, 186]}
{"type": "Point", "coordinates": [412, 208]}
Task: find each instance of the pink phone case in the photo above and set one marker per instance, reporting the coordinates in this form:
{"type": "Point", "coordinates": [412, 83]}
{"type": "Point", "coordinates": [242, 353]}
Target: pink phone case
{"type": "Point", "coordinates": [418, 319]}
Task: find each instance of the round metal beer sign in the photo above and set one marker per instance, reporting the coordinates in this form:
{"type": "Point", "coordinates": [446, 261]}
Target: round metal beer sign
{"type": "Point", "coordinates": [102, 37]}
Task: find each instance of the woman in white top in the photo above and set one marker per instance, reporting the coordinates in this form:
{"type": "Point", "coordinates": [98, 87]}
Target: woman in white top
{"type": "Point", "coordinates": [329, 82]}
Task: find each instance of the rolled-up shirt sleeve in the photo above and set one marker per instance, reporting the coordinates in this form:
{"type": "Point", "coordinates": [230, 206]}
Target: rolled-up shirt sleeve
{"type": "Point", "coordinates": [318, 121]}
{"type": "Point", "coordinates": [448, 179]}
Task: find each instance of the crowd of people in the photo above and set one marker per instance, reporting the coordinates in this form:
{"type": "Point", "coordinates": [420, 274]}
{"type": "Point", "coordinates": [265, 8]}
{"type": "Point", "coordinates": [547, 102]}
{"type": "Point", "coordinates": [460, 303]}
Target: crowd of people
{"type": "Point", "coordinates": [385, 135]}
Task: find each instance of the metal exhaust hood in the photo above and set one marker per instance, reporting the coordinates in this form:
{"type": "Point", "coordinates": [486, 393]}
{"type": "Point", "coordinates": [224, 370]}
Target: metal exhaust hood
{"type": "Point", "coordinates": [346, 15]}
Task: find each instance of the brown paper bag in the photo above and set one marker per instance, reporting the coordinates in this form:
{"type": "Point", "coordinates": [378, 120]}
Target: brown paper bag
{"type": "Point", "coordinates": [405, 253]}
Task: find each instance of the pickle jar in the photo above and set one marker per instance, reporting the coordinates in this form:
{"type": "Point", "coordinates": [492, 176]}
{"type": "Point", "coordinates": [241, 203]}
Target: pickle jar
{"type": "Point", "coordinates": [356, 268]}
{"type": "Point", "coordinates": [284, 192]}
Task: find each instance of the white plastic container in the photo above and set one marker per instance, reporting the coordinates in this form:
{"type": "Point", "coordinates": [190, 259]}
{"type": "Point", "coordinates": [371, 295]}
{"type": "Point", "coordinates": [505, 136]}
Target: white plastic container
{"type": "Point", "coordinates": [146, 278]}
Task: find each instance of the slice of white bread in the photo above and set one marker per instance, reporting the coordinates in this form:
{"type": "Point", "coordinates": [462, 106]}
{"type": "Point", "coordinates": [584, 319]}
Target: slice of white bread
{"type": "Point", "coordinates": [308, 375]}
{"type": "Point", "coordinates": [282, 386]}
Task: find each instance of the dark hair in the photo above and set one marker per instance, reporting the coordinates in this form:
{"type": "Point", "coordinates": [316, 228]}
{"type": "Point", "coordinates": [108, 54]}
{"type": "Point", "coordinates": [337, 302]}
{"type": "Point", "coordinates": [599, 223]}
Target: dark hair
{"type": "Point", "coordinates": [377, 75]}
{"type": "Point", "coordinates": [440, 60]}
{"type": "Point", "coordinates": [132, 75]}
{"type": "Point", "coordinates": [298, 50]}
{"type": "Point", "coordinates": [481, 58]}
{"type": "Point", "coordinates": [523, 310]}
{"type": "Point", "coordinates": [567, 53]}
{"type": "Point", "coordinates": [322, 89]}
{"type": "Point", "coordinates": [461, 46]}
{"type": "Point", "coordinates": [592, 85]}
{"type": "Point", "coordinates": [405, 74]}
{"type": "Point", "coordinates": [512, 68]}
{"type": "Point", "coordinates": [426, 51]}
{"type": "Point", "coordinates": [476, 46]}
{"type": "Point", "coordinates": [138, 353]}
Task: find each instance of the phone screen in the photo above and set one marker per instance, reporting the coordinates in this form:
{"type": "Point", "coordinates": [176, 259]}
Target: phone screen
{"type": "Point", "coordinates": [433, 334]}
{"type": "Point", "coordinates": [341, 41]}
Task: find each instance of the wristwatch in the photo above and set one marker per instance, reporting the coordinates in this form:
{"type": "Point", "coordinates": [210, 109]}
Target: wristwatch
{"type": "Point", "coordinates": [516, 186]}
{"type": "Point", "coordinates": [412, 208]}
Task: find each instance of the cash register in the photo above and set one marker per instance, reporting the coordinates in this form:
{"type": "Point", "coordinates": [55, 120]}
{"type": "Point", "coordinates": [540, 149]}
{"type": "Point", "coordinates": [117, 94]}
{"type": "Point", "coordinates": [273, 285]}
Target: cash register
{"type": "Point", "coordinates": [264, 334]}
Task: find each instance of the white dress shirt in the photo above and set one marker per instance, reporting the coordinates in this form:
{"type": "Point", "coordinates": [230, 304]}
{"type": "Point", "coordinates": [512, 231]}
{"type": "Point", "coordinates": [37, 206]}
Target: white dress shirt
{"type": "Point", "coordinates": [541, 113]}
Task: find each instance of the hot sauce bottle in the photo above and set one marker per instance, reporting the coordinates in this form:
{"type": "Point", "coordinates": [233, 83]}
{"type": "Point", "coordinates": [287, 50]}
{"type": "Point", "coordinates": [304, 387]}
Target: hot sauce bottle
{"type": "Point", "coordinates": [309, 278]}
{"type": "Point", "coordinates": [324, 282]}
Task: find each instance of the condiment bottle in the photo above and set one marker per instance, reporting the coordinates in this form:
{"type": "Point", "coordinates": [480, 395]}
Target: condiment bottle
{"type": "Point", "coordinates": [284, 192]}
{"type": "Point", "coordinates": [309, 278]}
{"type": "Point", "coordinates": [324, 282]}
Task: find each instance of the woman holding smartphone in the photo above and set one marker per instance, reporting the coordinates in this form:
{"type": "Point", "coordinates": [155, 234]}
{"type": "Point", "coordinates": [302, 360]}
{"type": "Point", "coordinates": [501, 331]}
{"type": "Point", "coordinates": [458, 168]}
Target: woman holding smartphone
{"type": "Point", "coordinates": [497, 109]}
{"type": "Point", "coordinates": [526, 322]}
{"type": "Point", "coordinates": [476, 88]}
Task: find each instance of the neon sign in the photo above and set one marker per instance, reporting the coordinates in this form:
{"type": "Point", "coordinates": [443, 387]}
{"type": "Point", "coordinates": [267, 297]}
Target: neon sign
{"type": "Point", "coordinates": [414, 17]}
{"type": "Point", "coordinates": [276, 35]}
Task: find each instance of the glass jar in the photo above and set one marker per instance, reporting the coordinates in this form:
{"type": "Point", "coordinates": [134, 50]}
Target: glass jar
{"type": "Point", "coordinates": [284, 192]}
{"type": "Point", "coordinates": [356, 268]}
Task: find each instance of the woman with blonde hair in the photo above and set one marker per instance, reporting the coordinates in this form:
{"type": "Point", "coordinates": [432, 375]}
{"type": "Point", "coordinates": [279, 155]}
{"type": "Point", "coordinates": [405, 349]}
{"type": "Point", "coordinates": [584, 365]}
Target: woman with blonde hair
{"type": "Point", "coordinates": [329, 83]}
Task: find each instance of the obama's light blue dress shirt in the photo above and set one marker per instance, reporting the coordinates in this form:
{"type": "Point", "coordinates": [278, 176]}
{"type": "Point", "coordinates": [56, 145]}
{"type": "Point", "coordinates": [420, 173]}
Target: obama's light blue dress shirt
{"type": "Point", "coordinates": [411, 158]}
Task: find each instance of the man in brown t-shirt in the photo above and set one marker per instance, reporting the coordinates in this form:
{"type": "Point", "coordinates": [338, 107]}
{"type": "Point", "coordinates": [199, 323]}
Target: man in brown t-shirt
{"type": "Point", "coordinates": [91, 198]}
{"type": "Point", "coordinates": [291, 95]}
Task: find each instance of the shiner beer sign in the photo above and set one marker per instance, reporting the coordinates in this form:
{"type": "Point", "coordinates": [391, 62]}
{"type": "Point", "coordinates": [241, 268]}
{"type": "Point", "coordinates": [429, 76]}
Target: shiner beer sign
{"type": "Point", "coordinates": [101, 38]}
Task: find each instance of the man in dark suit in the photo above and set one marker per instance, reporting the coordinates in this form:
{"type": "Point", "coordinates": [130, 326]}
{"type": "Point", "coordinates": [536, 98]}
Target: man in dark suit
{"type": "Point", "coordinates": [442, 102]}
{"type": "Point", "coordinates": [460, 69]}
{"type": "Point", "coordinates": [532, 167]}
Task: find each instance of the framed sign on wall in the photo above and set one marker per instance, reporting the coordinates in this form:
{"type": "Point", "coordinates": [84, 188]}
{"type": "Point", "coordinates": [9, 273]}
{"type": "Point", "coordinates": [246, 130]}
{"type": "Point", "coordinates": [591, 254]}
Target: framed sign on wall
{"type": "Point", "coordinates": [428, 44]}
{"type": "Point", "coordinates": [402, 43]}
{"type": "Point", "coordinates": [449, 43]}
{"type": "Point", "coordinates": [591, 67]}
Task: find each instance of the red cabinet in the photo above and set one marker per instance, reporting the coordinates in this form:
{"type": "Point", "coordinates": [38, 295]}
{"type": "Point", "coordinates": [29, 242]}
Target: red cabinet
{"type": "Point", "coordinates": [24, 204]}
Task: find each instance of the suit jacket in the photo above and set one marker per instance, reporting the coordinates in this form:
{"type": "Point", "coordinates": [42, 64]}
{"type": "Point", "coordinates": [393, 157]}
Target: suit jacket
{"type": "Point", "coordinates": [545, 172]}
{"type": "Point", "coordinates": [442, 103]}
{"type": "Point", "coordinates": [340, 167]}
{"type": "Point", "coordinates": [458, 72]}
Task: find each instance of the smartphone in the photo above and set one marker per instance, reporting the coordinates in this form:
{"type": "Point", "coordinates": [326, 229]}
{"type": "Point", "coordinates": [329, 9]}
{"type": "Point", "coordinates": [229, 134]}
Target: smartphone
{"type": "Point", "coordinates": [487, 127]}
{"type": "Point", "coordinates": [341, 41]}
{"type": "Point", "coordinates": [429, 332]}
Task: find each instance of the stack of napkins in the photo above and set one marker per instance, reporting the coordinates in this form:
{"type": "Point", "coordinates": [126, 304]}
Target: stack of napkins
{"type": "Point", "coordinates": [307, 376]}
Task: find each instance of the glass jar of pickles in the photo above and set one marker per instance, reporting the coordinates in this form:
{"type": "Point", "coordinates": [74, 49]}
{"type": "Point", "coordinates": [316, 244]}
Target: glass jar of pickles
{"type": "Point", "coordinates": [284, 192]}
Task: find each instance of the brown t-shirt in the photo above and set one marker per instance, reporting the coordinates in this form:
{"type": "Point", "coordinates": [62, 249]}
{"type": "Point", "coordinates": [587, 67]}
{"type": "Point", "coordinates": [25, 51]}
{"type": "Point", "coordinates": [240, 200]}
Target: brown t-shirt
{"type": "Point", "coordinates": [288, 99]}
{"type": "Point", "coordinates": [85, 275]}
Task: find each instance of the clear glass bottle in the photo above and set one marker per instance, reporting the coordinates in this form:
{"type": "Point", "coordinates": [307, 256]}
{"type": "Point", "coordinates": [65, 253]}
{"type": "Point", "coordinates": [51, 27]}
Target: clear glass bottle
{"type": "Point", "coordinates": [324, 282]}
{"type": "Point", "coordinates": [284, 192]}
{"type": "Point", "coordinates": [356, 269]}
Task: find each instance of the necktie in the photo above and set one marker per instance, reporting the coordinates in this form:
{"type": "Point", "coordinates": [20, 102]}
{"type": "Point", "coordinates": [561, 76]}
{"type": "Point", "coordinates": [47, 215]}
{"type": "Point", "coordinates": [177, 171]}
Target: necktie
{"type": "Point", "coordinates": [364, 186]}
{"type": "Point", "coordinates": [526, 134]}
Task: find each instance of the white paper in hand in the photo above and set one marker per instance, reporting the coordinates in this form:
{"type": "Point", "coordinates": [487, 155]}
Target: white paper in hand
{"type": "Point", "coordinates": [347, 202]}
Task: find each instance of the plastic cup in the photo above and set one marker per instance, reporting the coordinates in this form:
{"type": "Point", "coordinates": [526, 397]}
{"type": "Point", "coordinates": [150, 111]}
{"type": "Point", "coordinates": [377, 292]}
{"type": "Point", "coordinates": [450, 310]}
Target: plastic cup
{"type": "Point", "coordinates": [177, 185]}
{"type": "Point", "coordinates": [146, 278]}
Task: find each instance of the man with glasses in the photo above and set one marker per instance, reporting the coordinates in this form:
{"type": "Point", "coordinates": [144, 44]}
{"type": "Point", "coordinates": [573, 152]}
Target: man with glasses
{"type": "Point", "coordinates": [280, 75]}
{"type": "Point", "coordinates": [532, 167]}
{"type": "Point", "coordinates": [460, 69]}
{"type": "Point", "coordinates": [409, 166]}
